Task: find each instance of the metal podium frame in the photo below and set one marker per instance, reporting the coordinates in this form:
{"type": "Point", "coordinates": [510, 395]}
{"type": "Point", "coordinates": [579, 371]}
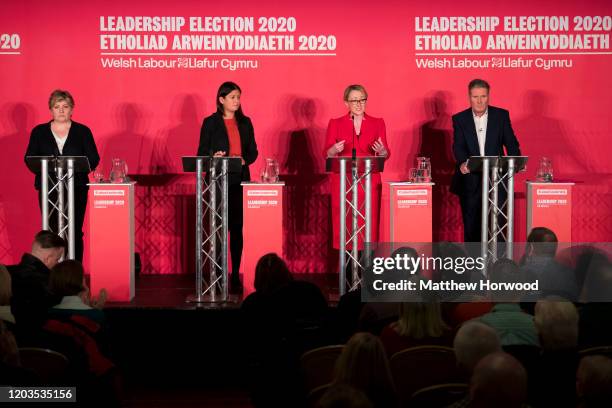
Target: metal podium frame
{"type": "Point", "coordinates": [495, 170]}
{"type": "Point", "coordinates": [360, 176]}
{"type": "Point", "coordinates": [214, 237]}
{"type": "Point", "coordinates": [64, 169]}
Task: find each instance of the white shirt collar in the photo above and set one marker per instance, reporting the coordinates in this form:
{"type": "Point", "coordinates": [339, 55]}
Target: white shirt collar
{"type": "Point", "coordinates": [72, 302]}
{"type": "Point", "coordinates": [486, 113]}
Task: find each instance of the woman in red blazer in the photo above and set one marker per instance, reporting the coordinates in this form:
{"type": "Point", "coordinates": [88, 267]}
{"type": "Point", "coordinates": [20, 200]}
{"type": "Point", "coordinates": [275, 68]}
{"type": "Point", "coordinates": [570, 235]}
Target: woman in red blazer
{"type": "Point", "coordinates": [370, 138]}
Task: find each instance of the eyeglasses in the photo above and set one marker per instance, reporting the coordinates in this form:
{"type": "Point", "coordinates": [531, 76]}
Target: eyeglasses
{"type": "Point", "coordinates": [357, 101]}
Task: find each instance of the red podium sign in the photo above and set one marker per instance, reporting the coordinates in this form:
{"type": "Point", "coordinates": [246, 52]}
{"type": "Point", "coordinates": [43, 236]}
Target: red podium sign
{"type": "Point", "coordinates": [111, 240]}
{"type": "Point", "coordinates": [406, 212]}
{"type": "Point", "coordinates": [550, 205]}
{"type": "Point", "coordinates": [262, 228]}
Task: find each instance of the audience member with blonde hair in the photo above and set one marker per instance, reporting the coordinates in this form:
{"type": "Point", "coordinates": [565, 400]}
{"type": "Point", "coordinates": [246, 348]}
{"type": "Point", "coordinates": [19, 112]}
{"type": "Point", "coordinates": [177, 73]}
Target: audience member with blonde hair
{"type": "Point", "coordinates": [363, 364]}
{"type": "Point", "coordinates": [557, 324]}
{"type": "Point", "coordinates": [419, 324]}
{"type": "Point", "coordinates": [555, 375]}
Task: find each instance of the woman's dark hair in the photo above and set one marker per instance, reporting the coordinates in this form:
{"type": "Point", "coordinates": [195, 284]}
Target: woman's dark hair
{"type": "Point", "coordinates": [66, 278]}
{"type": "Point", "coordinates": [225, 89]}
{"type": "Point", "coordinates": [271, 273]}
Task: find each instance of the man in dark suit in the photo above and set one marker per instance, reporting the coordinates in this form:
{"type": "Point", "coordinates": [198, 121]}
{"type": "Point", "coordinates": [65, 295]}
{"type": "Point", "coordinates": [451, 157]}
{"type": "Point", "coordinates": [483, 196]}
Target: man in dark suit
{"type": "Point", "coordinates": [481, 130]}
{"type": "Point", "coordinates": [30, 281]}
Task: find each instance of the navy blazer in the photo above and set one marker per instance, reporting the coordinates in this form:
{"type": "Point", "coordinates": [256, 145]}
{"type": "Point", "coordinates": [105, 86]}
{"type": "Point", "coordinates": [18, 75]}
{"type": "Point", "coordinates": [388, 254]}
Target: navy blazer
{"type": "Point", "coordinates": [214, 138]}
{"type": "Point", "coordinates": [79, 142]}
{"type": "Point", "coordinates": [465, 144]}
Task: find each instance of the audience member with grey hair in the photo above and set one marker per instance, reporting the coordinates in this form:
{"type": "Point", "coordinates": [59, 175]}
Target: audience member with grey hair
{"type": "Point", "coordinates": [473, 341]}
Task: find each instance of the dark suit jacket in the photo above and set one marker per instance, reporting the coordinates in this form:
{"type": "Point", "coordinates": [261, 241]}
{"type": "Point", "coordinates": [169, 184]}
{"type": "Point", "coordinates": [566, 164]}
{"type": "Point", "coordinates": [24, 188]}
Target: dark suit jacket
{"type": "Point", "coordinates": [465, 144]}
{"type": "Point", "coordinates": [214, 138]}
{"type": "Point", "coordinates": [79, 142]}
{"type": "Point", "coordinates": [31, 296]}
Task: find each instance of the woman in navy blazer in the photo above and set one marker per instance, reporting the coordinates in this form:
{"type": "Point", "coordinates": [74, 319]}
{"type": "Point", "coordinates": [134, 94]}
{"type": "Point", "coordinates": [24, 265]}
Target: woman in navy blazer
{"type": "Point", "coordinates": [64, 137]}
{"type": "Point", "coordinates": [228, 132]}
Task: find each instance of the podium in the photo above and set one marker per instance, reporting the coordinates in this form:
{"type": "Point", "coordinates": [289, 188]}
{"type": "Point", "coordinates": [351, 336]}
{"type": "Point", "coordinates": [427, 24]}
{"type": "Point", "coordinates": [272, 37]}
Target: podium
{"type": "Point", "coordinates": [496, 171]}
{"type": "Point", "coordinates": [406, 212]}
{"type": "Point", "coordinates": [211, 238]}
{"type": "Point", "coordinates": [359, 177]}
{"type": "Point", "coordinates": [262, 228]}
{"type": "Point", "coordinates": [111, 240]}
{"type": "Point", "coordinates": [550, 205]}
{"type": "Point", "coordinates": [57, 189]}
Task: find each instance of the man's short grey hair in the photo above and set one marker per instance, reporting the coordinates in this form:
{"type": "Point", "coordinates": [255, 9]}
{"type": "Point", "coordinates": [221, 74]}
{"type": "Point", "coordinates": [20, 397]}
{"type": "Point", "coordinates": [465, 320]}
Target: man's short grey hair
{"type": "Point", "coordinates": [478, 83]}
{"type": "Point", "coordinates": [473, 341]}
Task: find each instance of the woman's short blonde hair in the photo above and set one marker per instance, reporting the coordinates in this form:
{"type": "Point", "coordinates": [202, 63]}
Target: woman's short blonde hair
{"type": "Point", "coordinates": [354, 87]}
{"type": "Point", "coordinates": [60, 95]}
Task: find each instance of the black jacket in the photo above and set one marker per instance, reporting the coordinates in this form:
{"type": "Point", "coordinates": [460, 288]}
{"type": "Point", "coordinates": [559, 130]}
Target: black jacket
{"type": "Point", "coordinates": [79, 142]}
{"type": "Point", "coordinates": [31, 296]}
{"type": "Point", "coordinates": [214, 138]}
{"type": "Point", "coordinates": [465, 144]}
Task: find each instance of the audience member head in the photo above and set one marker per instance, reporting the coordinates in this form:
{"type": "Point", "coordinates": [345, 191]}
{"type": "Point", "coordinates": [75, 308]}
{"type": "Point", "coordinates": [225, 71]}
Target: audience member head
{"type": "Point", "coordinates": [473, 341]}
{"type": "Point", "coordinates": [5, 286]}
{"type": "Point", "coordinates": [597, 285]}
{"type": "Point", "coordinates": [66, 278]}
{"type": "Point", "coordinates": [271, 273]}
{"type": "Point", "coordinates": [505, 271]}
{"type": "Point", "coordinates": [418, 320]}
{"type": "Point", "coordinates": [48, 247]}
{"type": "Point", "coordinates": [588, 258]}
{"type": "Point", "coordinates": [499, 380]}
{"type": "Point", "coordinates": [594, 382]}
{"type": "Point", "coordinates": [363, 364]}
{"type": "Point", "coordinates": [9, 353]}
{"type": "Point", "coordinates": [404, 254]}
{"type": "Point", "coordinates": [344, 396]}
{"type": "Point", "coordinates": [447, 251]}
{"type": "Point", "coordinates": [541, 242]}
{"type": "Point", "coordinates": [557, 324]}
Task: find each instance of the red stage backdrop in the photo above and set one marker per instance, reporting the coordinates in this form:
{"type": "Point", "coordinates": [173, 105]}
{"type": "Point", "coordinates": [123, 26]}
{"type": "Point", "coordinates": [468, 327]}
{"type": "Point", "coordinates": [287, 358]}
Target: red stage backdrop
{"type": "Point", "coordinates": [144, 75]}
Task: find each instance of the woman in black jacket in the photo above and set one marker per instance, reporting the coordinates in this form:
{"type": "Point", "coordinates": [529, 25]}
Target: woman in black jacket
{"type": "Point", "coordinates": [64, 137]}
{"type": "Point", "coordinates": [228, 132]}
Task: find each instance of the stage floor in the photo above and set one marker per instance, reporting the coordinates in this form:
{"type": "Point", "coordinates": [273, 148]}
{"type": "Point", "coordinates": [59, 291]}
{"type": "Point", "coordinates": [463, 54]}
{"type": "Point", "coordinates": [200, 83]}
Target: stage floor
{"type": "Point", "coordinates": [171, 292]}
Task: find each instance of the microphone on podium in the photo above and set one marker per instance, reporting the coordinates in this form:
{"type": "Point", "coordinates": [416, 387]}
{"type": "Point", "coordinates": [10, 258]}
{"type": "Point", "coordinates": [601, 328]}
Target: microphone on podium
{"type": "Point", "coordinates": [354, 151]}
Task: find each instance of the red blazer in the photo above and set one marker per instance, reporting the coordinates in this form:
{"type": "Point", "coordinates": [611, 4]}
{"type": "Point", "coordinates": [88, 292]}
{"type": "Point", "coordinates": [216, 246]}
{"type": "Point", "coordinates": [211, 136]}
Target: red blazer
{"type": "Point", "coordinates": [342, 129]}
